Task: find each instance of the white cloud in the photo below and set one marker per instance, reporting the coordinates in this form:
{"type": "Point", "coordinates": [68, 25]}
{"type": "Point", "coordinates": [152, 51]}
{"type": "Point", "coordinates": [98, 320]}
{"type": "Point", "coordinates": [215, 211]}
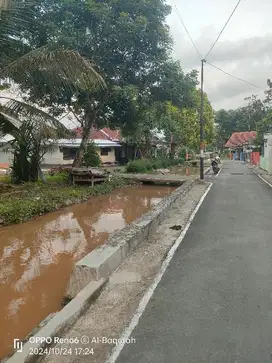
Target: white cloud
{"type": "Point", "coordinates": [244, 49]}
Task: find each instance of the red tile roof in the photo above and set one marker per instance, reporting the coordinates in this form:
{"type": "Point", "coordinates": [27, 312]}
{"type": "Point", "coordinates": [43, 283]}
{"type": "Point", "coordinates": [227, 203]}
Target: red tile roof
{"type": "Point", "coordinates": [103, 134]}
{"type": "Point", "coordinates": [241, 138]}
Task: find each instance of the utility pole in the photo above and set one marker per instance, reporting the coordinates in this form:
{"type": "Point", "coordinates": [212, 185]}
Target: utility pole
{"type": "Point", "coordinates": [201, 121]}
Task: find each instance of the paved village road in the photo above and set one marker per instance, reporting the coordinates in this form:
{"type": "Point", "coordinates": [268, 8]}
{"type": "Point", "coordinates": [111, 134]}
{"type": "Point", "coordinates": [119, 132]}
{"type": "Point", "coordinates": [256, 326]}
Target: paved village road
{"type": "Point", "coordinates": [214, 303]}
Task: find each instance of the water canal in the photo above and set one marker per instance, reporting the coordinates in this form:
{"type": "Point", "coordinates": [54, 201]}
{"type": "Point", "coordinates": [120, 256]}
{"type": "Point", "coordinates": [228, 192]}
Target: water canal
{"type": "Point", "coordinates": [37, 257]}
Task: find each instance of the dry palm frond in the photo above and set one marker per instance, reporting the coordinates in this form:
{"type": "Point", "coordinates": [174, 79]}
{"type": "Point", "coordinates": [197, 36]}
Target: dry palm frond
{"type": "Point", "coordinates": [15, 18]}
{"type": "Point", "coordinates": [55, 68]}
{"type": "Point", "coordinates": [14, 113]}
{"type": "Point", "coordinates": [14, 4]}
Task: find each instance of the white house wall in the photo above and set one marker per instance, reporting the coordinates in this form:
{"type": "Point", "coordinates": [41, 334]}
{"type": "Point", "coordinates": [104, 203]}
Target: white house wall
{"type": "Point", "coordinates": [268, 152]}
{"type": "Point", "coordinates": [110, 158]}
{"type": "Point", "coordinates": [266, 158]}
{"type": "Point", "coordinates": [55, 157]}
{"type": "Point", "coordinates": [5, 157]}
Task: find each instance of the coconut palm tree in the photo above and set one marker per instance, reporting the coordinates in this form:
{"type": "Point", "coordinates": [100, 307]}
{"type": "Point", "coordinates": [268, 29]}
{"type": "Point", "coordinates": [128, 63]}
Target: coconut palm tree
{"type": "Point", "coordinates": [56, 67]}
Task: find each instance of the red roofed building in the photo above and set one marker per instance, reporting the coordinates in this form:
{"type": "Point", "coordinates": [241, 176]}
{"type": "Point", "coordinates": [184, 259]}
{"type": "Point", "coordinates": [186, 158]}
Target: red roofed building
{"type": "Point", "coordinates": [240, 139]}
{"type": "Point", "coordinates": [102, 134]}
{"type": "Point", "coordinates": [243, 143]}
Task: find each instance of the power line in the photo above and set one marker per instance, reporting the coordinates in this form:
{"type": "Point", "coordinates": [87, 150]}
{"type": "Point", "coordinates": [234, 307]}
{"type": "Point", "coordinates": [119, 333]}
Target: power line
{"type": "Point", "coordinates": [219, 35]}
{"type": "Point", "coordinates": [237, 78]}
{"type": "Point", "coordinates": [187, 31]}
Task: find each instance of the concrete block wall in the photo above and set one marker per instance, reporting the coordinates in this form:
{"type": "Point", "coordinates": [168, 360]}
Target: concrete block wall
{"type": "Point", "coordinates": [102, 261]}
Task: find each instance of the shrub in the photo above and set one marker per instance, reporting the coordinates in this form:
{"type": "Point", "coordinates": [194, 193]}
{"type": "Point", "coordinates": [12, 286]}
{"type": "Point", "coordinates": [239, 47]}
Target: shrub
{"type": "Point", "coordinates": [91, 157]}
{"type": "Point", "coordinates": [138, 166]}
{"type": "Point", "coordinates": [58, 178]}
{"type": "Point", "coordinates": [145, 165]}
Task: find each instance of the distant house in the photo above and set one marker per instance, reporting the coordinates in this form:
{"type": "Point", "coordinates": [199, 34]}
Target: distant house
{"type": "Point", "coordinates": [112, 148]}
{"type": "Point", "coordinates": [242, 146]}
{"type": "Point", "coordinates": [106, 140]}
{"type": "Point", "coordinates": [266, 155]}
{"type": "Point", "coordinates": [64, 151]}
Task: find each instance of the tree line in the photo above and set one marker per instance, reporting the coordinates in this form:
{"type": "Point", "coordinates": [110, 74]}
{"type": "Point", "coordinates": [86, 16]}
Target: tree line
{"type": "Point", "coordinates": [108, 62]}
{"type": "Point", "coordinates": [256, 115]}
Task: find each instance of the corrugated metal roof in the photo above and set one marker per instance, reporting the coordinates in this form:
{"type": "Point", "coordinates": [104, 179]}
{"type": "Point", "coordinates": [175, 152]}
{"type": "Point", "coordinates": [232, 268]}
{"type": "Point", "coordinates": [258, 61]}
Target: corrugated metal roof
{"type": "Point", "coordinates": [6, 138]}
{"type": "Point", "coordinates": [76, 143]}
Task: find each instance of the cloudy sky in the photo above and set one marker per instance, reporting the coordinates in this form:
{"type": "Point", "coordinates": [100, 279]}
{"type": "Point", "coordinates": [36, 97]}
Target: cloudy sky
{"type": "Point", "coordinates": [244, 49]}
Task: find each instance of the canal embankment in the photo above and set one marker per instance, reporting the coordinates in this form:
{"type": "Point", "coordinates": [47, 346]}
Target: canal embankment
{"type": "Point", "coordinates": [106, 318]}
{"type": "Point", "coordinates": [147, 226]}
{"type": "Point", "coordinates": [103, 268]}
{"type": "Point", "coordinates": [37, 257]}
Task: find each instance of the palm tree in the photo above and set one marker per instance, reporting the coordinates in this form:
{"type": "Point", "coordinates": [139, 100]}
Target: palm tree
{"type": "Point", "coordinates": [57, 67]}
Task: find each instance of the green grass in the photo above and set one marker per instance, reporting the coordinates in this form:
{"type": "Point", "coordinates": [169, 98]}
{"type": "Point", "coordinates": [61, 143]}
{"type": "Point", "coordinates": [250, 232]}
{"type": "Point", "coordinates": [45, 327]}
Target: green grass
{"type": "Point", "coordinates": [148, 165]}
{"type": "Point", "coordinates": [23, 202]}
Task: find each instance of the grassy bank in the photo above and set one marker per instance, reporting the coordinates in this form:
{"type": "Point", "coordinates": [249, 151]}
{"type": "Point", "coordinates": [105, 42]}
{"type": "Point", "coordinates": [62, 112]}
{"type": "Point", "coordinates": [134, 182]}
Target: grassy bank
{"type": "Point", "coordinates": [23, 202]}
{"type": "Point", "coordinates": [148, 165]}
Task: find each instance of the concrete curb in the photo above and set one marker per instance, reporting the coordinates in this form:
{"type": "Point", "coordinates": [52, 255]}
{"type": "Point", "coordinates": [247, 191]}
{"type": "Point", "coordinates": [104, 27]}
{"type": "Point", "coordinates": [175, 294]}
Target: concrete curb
{"type": "Point", "coordinates": [63, 319]}
{"type": "Point", "coordinates": [102, 261]}
{"type": "Point", "coordinates": [262, 174]}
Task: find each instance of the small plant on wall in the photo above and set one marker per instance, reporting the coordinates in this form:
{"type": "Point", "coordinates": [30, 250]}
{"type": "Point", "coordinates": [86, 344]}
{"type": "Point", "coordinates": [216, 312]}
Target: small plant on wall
{"type": "Point", "coordinates": [91, 157]}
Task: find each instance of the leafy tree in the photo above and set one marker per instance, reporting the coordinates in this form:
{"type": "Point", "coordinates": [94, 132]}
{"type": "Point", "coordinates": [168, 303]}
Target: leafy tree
{"type": "Point", "coordinates": [50, 66]}
{"type": "Point", "coordinates": [244, 118]}
{"type": "Point", "coordinates": [264, 126]}
{"type": "Point", "coordinates": [251, 114]}
{"type": "Point", "coordinates": [129, 42]}
{"type": "Point", "coordinates": [148, 110]}
{"type": "Point", "coordinates": [183, 123]}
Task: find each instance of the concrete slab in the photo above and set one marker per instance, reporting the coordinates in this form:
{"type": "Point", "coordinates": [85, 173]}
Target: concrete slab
{"type": "Point", "coordinates": [61, 321]}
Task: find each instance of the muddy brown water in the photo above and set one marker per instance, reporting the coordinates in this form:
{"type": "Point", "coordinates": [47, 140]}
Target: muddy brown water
{"type": "Point", "coordinates": [37, 257]}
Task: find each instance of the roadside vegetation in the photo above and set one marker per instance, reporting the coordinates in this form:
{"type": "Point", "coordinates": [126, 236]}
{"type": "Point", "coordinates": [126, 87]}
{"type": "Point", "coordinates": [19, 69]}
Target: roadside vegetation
{"type": "Point", "coordinates": [149, 165]}
{"type": "Point", "coordinates": [19, 203]}
{"type": "Point", "coordinates": [85, 59]}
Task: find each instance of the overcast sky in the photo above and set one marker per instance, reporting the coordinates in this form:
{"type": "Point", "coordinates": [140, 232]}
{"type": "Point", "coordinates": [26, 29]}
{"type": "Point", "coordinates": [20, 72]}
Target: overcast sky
{"type": "Point", "coordinates": [244, 49]}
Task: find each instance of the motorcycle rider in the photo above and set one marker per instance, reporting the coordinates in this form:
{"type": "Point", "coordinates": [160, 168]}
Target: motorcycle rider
{"type": "Point", "coordinates": [217, 158]}
{"type": "Point", "coordinates": [214, 164]}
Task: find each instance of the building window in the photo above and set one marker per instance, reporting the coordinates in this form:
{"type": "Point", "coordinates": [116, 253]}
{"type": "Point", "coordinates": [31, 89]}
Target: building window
{"type": "Point", "coordinates": [105, 151]}
{"type": "Point", "coordinates": [69, 153]}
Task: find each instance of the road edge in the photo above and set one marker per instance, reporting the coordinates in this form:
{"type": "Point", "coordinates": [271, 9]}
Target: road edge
{"type": "Point", "coordinates": [150, 291]}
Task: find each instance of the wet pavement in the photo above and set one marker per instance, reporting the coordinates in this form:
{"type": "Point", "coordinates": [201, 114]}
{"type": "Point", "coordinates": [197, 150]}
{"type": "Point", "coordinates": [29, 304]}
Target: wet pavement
{"type": "Point", "coordinates": [213, 304]}
{"type": "Point", "coordinates": [37, 257]}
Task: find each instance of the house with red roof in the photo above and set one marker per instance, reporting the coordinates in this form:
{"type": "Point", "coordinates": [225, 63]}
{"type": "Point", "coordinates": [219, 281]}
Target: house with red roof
{"type": "Point", "coordinates": [64, 152]}
{"type": "Point", "coordinates": [106, 140]}
{"type": "Point", "coordinates": [241, 144]}
{"type": "Point", "coordinates": [241, 139]}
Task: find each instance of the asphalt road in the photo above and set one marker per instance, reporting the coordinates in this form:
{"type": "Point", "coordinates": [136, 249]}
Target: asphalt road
{"type": "Point", "coordinates": [214, 303]}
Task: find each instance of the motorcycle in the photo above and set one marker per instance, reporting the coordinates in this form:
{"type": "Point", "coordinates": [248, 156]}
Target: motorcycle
{"type": "Point", "coordinates": [215, 167]}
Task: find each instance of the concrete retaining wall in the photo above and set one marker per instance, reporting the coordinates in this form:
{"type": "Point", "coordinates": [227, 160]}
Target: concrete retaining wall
{"type": "Point", "coordinates": [85, 284]}
{"type": "Point", "coordinates": [102, 261]}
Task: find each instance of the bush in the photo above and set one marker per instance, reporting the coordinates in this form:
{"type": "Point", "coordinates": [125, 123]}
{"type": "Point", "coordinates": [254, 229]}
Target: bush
{"type": "Point", "coordinates": [145, 165]}
{"type": "Point", "coordinates": [138, 166]}
{"type": "Point", "coordinates": [58, 178]}
{"type": "Point", "coordinates": [91, 157]}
